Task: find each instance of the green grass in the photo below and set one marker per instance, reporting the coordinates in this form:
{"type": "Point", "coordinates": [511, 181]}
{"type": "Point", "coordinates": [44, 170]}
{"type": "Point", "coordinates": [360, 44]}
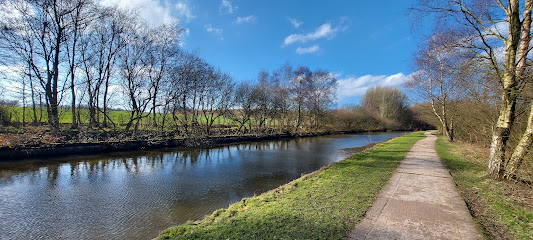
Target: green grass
{"type": "Point", "coordinates": [498, 212]}
{"type": "Point", "coordinates": [322, 205]}
{"type": "Point", "coordinates": [119, 117]}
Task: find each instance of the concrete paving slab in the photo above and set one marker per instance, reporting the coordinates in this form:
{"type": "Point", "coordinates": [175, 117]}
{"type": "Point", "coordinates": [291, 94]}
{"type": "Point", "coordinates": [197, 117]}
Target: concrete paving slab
{"type": "Point", "coordinates": [420, 201]}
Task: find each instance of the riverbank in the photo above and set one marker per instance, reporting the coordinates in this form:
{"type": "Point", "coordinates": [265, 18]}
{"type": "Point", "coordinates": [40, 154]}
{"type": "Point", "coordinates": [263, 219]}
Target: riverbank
{"type": "Point", "coordinates": [502, 210]}
{"type": "Point", "coordinates": [322, 205]}
{"type": "Point", "coordinates": [87, 148]}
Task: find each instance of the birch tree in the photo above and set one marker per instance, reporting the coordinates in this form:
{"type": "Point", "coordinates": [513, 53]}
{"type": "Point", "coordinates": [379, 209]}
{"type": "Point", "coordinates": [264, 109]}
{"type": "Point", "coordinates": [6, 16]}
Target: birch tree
{"type": "Point", "coordinates": [441, 69]}
{"type": "Point", "coordinates": [500, 34]}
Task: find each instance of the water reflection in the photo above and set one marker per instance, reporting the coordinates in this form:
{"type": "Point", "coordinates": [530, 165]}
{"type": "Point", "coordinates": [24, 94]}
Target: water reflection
{"type": "Point", "coordinates": [135, 195]}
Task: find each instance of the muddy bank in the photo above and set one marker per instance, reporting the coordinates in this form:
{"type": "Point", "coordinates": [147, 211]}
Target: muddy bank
{"type": "Point", "coordinates": [7, 153]}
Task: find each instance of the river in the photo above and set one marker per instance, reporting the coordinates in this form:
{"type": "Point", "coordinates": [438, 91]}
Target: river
{"type": "Point", "coordinates": [135, 195]}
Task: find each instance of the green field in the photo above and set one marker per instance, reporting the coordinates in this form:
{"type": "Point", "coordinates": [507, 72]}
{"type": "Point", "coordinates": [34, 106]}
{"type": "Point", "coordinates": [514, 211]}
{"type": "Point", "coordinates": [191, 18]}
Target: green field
{"type": "Point", "coordinates": [322, 205]}
{"type": "Point", "coordinates": [119, 117]}
{"type": "Point", "coordinates": [498, 207]}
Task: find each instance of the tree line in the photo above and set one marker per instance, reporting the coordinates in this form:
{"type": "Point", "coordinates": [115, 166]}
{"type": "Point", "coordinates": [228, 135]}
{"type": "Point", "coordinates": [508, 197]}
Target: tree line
{"type": "Point", "coordinates": [82, 48]}
{"type": "Point", "coordinates": [90, 59]}
{"type": "Point", "coordinates": [474, 70]}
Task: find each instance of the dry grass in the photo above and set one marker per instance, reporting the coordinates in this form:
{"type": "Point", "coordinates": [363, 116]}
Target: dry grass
{"type": "Point", "coordinates": [503, 210]}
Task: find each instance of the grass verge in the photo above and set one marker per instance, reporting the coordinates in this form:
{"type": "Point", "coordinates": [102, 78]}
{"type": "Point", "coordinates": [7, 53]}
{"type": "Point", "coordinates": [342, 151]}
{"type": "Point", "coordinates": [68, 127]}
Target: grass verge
{"type": "Point", "coordinates": [503, 210]}
{"type": "Point", "coordinates": [321, 205]}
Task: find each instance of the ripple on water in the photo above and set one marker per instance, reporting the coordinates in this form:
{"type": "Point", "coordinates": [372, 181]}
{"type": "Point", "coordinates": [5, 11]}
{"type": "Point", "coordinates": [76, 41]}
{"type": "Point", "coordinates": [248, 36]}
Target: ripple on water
{"type": "Point", "coordinates": [136, 195]}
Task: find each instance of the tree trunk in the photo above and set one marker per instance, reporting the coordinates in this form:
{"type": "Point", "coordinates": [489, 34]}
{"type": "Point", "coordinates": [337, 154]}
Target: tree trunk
{"type": "Point", "coordinates": [23, 102]}
{"type": "Point", "coordinates": [73, 106]}
{"type": "Point", "coordinates": [106, 90]}
{"type": "Point", "coordinates": [446, 132]}
{"type": "Point", "coordinates": [500, 135]}
{"type": "Point", "coordinates": [92, 110]}
{"type": "Point", "coordinates": [526, 140]}
{"type": "Point", "coordinates": [298, 119]}
{"type": "Point", "coordinates": [73, 78]}
{"type": "Point", "coordinates": [186, 121]}
{"type": "Point", "coordinates": [154, 102]}
{"type": "Point", "coordinates": [33, 102]}
{"type": "Point", "coordinates": [53, 116]}
{"type": "Point", "coordinates": [53, 77]}
{"type": "Point", "coordinates": [510, 83]}
{"type": "Point", "coordinates": [40, 108]}
{"type": "Point", "coordinates": [521, 149]}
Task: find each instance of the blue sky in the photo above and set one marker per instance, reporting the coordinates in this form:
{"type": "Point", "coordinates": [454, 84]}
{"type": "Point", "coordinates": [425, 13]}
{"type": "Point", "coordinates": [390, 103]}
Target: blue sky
{"type": "Point", "coordinates": [365, 43]}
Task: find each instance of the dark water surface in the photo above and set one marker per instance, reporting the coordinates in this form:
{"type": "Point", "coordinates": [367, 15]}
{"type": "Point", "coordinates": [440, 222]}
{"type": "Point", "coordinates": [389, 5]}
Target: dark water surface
{"type": "Point", "coordinates": [136, 195]}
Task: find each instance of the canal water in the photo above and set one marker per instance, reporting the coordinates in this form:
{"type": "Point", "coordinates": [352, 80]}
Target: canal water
{"type": "Point", "coordinates": [135, 195]}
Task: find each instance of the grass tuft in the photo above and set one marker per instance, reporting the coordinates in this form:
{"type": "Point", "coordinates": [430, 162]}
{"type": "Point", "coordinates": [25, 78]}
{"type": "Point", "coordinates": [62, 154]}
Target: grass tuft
{"type": "Point", "coordinates": [324, 204]}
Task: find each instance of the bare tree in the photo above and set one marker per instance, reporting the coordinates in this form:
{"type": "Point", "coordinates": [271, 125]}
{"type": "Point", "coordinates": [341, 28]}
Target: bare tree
{"type": "Point", "coordinates": [216, 97]}
{"type": "Point", "coordinates": [43, 27]}
{"type": "Point", "coordinates": [187, 79]}
{"type": "Point", "coordinates": [262, 100]}
{"type": "Point", "coordinates": [242, 111]}
{"type": "Point", "coordinates": [99, 48]}
{"type": "Point", "coordinates": [442, 68]}
{"type": "Point", "coordinates": [279, 81]}
{"type": "Point", "coordinates": [81, 17]}
{"type": "Point", "coordinates": [134, 73]}
{"type": "Point", "coordinates": [298, 91]}
{"type": "Point", "coordinates": [282, 104]}
{"type": "Point", "coordinates": [500, 33]}
{"type": "Point", "coordinates": [321, 90]}
{"type": "Point", "coordinates": [165, 40]}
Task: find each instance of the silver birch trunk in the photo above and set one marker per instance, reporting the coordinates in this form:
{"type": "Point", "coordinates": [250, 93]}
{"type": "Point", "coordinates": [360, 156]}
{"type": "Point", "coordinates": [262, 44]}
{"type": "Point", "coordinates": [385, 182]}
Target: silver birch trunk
{"type": "Point", "coordinates": [521, 149]}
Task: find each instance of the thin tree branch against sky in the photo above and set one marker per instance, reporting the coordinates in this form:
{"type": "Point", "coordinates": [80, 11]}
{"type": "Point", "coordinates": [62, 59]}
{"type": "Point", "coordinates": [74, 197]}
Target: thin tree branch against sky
{"type": "Point", "coordinates": [365, 43]}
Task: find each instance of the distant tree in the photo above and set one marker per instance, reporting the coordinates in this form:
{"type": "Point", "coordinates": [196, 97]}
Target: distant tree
{"type": "Point", "coordinates": [388, 103]}
{"type": "Point", "coordinates": [262, 100]}
{"type": "Point", "coordinates": [442, 68]}
{"type": "Point", "coordinates": [164, 46]}
{"type": "Point", "coordinates": [215, 98]}
{"type": "Point", "coordinates": [321, 95]}
{"type": "Point", "coordinates": [298, 91]}
{"type": "Point", "coordinates": [184, 76]}
{"type": "Point", "coordinates": [200, 92]}
{"type": "Point", "coordinates": [242, 102]}
{"type": "Point", "coordinates": [280, 96]}
{"type": "Point", "coordinates": [80, 17]}
{"type": "Point", "coordinates": [99, 49]}
{"type": "Point", "coordinates": [134, 72]}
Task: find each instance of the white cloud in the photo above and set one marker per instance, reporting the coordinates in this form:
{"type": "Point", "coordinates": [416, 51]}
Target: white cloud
{"type": "Point", "coordinates": [154, 12]}
{"type": "Point", "coordinates": [183, 10]}
{"type": "Point", "coordinates": [217, 31]}
{"type": "Point", "coordinates": [295, 22]}
{"type": "Point", "coordinates": [184, 35]}
{"type": "Point", "coordinates": [324, 31]}
{"type": "Point", "coordinates": [227, 7]}
{"type": "Point", "coordinates": [357, 86]}
{"type": "Point", "coordinates": [312, 49]}
{"type": "Point", "coordinates": [248, 19]}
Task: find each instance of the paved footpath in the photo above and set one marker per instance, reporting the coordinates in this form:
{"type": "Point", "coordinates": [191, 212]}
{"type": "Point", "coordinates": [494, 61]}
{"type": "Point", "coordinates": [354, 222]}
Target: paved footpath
{"type": "Point", "coordinates": [420, 201]}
